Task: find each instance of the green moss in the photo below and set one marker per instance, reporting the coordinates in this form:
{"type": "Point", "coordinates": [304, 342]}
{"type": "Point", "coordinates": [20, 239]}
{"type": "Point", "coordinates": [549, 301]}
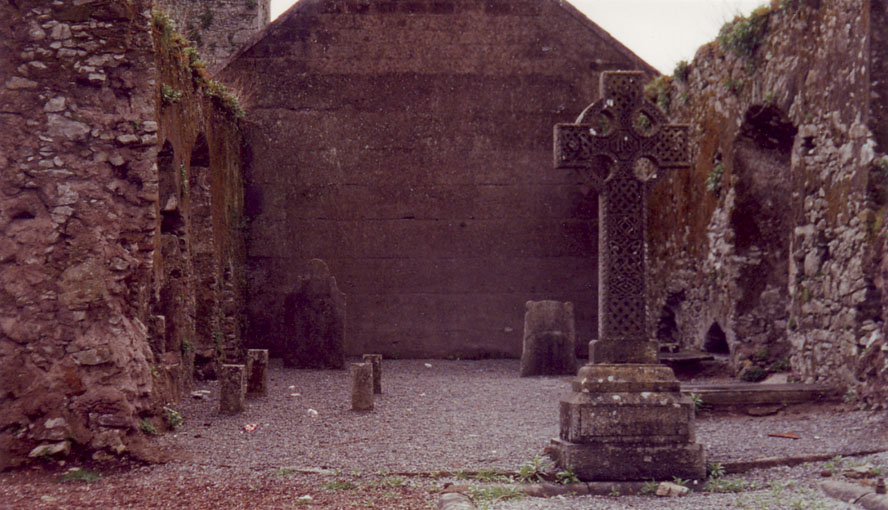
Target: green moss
{"type": "Point", "coordinates": [659, 91]}
{"type": "Point", "coordinates": [147, 427]}
{"type": "Point", "coordinates": [714, 179]}
{"type": "Point", "coordinates": [169, 95]}
{"type": "Point", "coordinates": [744, 35]}
{"type": "Point", "coordinates": [220, 94]}
{"type": "Point", "coordinates": [680, 73]}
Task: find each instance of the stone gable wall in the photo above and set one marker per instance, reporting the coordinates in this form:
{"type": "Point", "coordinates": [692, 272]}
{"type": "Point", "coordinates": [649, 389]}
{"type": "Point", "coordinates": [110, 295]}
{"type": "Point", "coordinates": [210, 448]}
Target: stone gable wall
{"type": "Point", "coordinates": [409, 146]}
{"type": "Point", "coordinates": [780, 253]}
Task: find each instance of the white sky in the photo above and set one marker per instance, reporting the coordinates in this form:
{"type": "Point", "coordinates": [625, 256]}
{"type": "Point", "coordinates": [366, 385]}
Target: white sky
{"type": "Point", "coordinates": [662, 32]}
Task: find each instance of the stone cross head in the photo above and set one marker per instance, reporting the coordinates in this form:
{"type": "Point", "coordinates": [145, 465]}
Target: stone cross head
{"type": "Point", "coordinates": [618, 145]}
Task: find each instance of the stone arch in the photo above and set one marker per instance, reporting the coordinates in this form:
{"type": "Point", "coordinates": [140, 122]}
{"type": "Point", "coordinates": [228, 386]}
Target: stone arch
{"type": "Point", "coordinates": [716, 341]}
{"type": "Point", "coordinates": [171, 221]}
{"type": "Point", "coordinates": [207, 270]}
{"type": "Point", "coordinates": [761, 160]}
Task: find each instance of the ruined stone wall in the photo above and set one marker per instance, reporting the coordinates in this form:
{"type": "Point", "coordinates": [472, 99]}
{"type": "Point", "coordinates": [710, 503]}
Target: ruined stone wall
{"type": "Point", "coordinates": [81, 265]}
{"type": "Point", "coordinates": [777, 260]}
{"type": "Point", "coordinates": [217, 28]}
{"type": "Point", "coordinates": [409, 145]}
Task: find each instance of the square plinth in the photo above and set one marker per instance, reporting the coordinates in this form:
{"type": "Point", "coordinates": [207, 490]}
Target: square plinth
{"type": "Point", "coordinates": [627, 422]}
{"type": "Point", "coordinates": [617, 461]}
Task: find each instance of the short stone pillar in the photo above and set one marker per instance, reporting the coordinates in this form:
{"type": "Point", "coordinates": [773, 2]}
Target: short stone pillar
{"type": "Point", "coordinates": [375, 361]}
{"type": "Point", "coordinates": [257, 372]}
{"type": "Point", "coordinates": [549, 339]}
{"type": "Point", "coordinates": [232, 387]}
{"type": "Point", "coordinates": [362, 386]}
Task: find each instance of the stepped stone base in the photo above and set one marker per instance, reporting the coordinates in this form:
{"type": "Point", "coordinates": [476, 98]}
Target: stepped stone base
{"type": "Point", "coordinates": [628, 422]}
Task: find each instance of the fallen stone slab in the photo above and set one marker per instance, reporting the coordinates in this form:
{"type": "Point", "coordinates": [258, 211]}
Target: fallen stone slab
{"type": "Point", "coordinates": [855, 495]}
{"type": "Point", "coordinates": [757, 394]}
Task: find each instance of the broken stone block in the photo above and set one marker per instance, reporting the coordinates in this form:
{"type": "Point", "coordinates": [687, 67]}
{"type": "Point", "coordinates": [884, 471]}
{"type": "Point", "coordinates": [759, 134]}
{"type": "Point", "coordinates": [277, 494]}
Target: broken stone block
{"type": "Point", "coordinates": [232, 387]}
{"type": "Point", "coordinates": [362, 386]}
{"type": "Point", "coordinates": [375, 361]}
{"type": "Point", "coordinates": [314, 321]}
{"type": "Point", "coordinates": [549, 339]}
{"type": "Point", "coordinates": [61, 449]}
{"type": "Point", "coordinates": [671, 490]}
{"type": "Point", "coordinates": [257, 372]}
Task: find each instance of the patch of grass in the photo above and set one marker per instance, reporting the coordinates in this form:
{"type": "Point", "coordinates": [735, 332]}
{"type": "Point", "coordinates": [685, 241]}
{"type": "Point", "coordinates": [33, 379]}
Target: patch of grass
{"type": "Point", "coordinates": [393, 481]}
{"type": "Point", "coordinates": [489, 475]}
{"type": "Point", "coordinates": [677, 480]}
{"type": "Point", "coordinates": [486, 497]}
{"type": "Point", "coordinates": [697, 400]}
{"type": "Point", "coordinates": [649, 488]}
{"type": "Point", "coordinates": [715, 470]}
{"type": "Point", "coordinates": [566, 476]}
{"type": "Point", "coordinates": [172, 417]}
{"type": "Point", "coordinates": [680, 73]}
{"type": "Point", "coordinates": [714, 179]}
{"type": "Point", "coordinates": [532, 470]}
{"type": "Point", "coordinates": [743, 35]}
{"type": "Point", "coordinates": [147, 427]}
{"type": "Point", "coordinates": [725, 485]}
{"type": "Point", "coordinates": [283, 471]}
{"type": "Point", "coordinates": [220, 94]}
{"type": "Point", "coordinates": [753, 374]}
{"type": "Point", "coordinates": [81, 476]}
{"type": "Point", "coordinates": [339, 485]}
{"type": "Point", "coordinates": [169, 95]}
{"type": "Point", "coordinates": [659, 91]}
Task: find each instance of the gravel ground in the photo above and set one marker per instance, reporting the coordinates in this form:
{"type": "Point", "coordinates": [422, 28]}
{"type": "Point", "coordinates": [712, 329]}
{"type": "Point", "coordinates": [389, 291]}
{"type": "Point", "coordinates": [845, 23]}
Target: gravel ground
{"type": "Point", "coordinates": [433, 416]}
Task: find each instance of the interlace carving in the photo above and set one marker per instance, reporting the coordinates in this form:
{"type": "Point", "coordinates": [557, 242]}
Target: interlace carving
{"type": "Point", "coordinates": [604, 144]}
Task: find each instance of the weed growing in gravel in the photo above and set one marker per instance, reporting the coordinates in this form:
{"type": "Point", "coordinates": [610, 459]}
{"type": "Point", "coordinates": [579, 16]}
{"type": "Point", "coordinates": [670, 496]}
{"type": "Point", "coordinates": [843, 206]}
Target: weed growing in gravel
{"type": "Point", "coordinates": [783, 496]}
{"type": "Point", "coordinates": [532, 470]}
{"type": "Point", "coordinates": [489, 475]}
{"type": "Point", "coordinates": [715, 470]}
{"type": "Point", "coordinates": [462, 475]}
{"type": "Point", "coordinates": [339, 485]}
{"type": "Point", "coordinates": [567, 476]}
{"type": "Point", "coordinates": [80, 475]}
{"type": "Point", "coordinates": [834, 464]}
{"type": "Point", "coordinates": [677, 480]}
{"type": "Point", "coordinates": [393, 481]}
{"type": "Point", "coordinates": [283, 471]}
{"type": "Point", "coordinates": [614, 492]}
{"type": "Point", "coordinates": [649, 488]}
{"type": "Point", "coordinates": [722, 485]}
{"type": "Point", "coordinates": [486, 497]}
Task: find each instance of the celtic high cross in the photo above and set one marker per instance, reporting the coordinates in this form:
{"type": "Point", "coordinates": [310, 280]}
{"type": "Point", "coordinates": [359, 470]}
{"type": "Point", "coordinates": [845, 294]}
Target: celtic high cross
{"type": "Point", "coordinates": [608, 146]}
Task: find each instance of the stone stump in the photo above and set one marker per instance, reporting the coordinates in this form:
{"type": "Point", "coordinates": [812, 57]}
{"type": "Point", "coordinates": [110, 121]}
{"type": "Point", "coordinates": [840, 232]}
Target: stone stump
{"type": "Point", "coordinates": [314, 321]}
{"type": "Point", "coordinates": [232, 387]}
{"type": "Point", "coordinates": [362, 386]}
{"type": "Point", "coordinates": [257, 372]}
{"type": "Point", "coordinates": [549, 339]}
{"type": "Point", "coordinates": [375, 361]}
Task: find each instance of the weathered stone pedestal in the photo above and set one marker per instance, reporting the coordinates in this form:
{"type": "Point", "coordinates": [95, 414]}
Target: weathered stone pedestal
{"type": "Point", "coordinates": [628, 422]}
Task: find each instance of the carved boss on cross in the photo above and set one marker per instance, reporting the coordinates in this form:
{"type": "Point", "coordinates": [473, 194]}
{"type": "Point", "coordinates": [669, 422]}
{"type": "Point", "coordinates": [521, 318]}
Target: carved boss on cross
{"type": "Point", "coordinates": [617, 144]}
